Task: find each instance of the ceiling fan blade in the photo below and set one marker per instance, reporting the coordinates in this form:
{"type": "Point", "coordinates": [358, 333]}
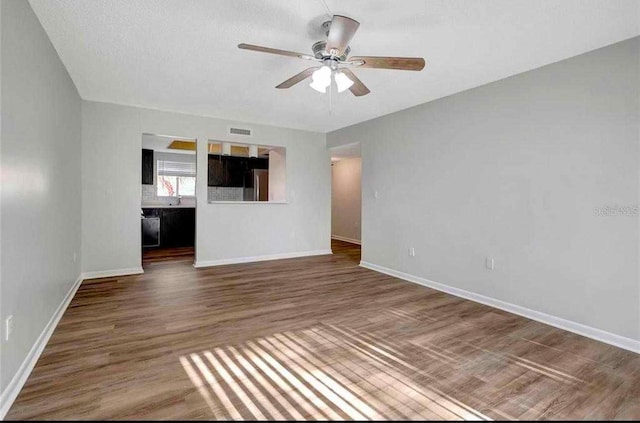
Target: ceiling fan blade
{"type": "Point", "coordinates": [275, 51]}
{"type": "Point", "coordinates": [358, 88]}
{"type": "Point", "coordinates": [298, 78]}
{"type": "Point", "coordinates": [341, 32]}
{"type": "Point", "coordinates": [399, 63]}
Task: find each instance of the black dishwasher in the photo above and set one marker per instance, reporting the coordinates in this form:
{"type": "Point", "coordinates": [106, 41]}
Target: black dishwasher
{"type": "Point", "coordinates": [150, 231]}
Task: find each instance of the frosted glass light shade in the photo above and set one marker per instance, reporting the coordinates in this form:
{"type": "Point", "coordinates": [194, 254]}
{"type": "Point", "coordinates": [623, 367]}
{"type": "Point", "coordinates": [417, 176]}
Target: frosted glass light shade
{"type": "Point", "coordinates": [321, 79]}
{"type": "Point", "coordinates": [342, 81]}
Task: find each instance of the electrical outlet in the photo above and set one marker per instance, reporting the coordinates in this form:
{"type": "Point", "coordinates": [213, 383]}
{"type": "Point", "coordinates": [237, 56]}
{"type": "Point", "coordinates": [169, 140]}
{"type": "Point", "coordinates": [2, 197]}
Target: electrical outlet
{"type": "Point", "coordinates": [8, 327]}
{"type": "Point", "coordinates": [412, 252]}
{"type": "Point", "coordinates": [490, 263]}
{"type": "Point", "coordinates": [75, 256]}
{"type": "Point", "coordinates": [376, 195]}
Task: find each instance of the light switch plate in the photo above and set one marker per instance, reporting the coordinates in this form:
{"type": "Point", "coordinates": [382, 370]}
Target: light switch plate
{"type": "Point", "coordinates": [490, 263]}
{"type": "Point", "coordinates": [8, 327]}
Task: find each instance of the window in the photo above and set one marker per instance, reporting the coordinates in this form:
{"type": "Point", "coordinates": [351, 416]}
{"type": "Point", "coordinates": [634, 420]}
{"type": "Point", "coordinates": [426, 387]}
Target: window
{"type": "Point", "coordinates": [176, 178]}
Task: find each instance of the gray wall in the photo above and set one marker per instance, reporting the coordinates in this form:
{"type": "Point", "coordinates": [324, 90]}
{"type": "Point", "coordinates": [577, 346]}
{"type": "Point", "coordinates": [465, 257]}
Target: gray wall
{"type": "Point", "coordinates": [346, 199]}
{"type": "Point", "coordinates": [40, 197]}
{"type": "Point", "coordinates": [514, 170]}
{"type": "Point", "coordinates": [111, 160]}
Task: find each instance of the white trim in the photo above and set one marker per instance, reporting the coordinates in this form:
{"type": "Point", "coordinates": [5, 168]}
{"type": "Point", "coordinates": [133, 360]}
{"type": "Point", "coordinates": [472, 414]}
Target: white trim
{"type": "Point", "coordinates": [558, 322]}
{"type": "Point", "coordinates": [112, 273]}
{"type": "Point", "coordinates": [267, 257]}
{"type": "Point", "coordinates": [345, 239]}
{"type": "Point", "coordinates": [17, 382]}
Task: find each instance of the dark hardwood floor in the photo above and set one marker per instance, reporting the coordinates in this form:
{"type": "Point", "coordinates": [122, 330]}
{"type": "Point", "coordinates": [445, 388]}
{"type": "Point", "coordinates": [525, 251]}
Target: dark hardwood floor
{"type": "Point", "coordinates": [153, 256]}
{"type": "Point", "coordinates": [312, 338]}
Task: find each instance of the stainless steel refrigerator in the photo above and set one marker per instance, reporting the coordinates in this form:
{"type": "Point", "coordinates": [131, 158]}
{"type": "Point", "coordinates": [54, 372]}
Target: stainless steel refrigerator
{"type": "Point", "coordinates": [256, 185]}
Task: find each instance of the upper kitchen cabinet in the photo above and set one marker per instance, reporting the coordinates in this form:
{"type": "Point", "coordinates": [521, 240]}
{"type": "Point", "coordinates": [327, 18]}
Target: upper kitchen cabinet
{"type": "Point", "coordinates": [216, 174]}
{"type": "Point", "coordinates": [147, 166]}
{"type": "Point", "coordinates": [229, 171]}
{"type": "Point", "coordinates": [246, 172]}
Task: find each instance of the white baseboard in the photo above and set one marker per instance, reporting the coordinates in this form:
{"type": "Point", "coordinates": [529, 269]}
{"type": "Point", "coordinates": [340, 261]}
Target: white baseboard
{"type": "Point", "coordinates": [19, 379]}
{"type": "Point", "coordinates": [568, 325]}
{"type": "Point", "coordinates": [345, 239]}
{"type": "Point", "coordinates": [112, 273]}
{"type": "Point", "coordinates": [267, 257]}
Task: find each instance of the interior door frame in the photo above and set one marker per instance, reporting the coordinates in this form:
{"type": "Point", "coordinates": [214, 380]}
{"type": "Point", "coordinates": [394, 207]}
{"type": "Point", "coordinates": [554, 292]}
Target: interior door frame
{"type": "Point", "coordinates": [195, 234]}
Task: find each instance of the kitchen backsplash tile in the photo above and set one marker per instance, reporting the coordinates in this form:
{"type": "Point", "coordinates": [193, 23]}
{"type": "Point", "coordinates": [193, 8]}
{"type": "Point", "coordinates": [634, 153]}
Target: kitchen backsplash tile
{"type": "Point", "coordinates": [149, 195]}
{"type": "Point", "coordinates": [150, 198]}
{"type": "Point", "coordinates": [224, 194]}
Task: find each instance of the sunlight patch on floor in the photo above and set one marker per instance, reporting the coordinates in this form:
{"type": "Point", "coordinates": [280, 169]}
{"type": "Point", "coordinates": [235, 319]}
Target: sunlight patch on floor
{"type": "Point", "coordinates": [325, 372]}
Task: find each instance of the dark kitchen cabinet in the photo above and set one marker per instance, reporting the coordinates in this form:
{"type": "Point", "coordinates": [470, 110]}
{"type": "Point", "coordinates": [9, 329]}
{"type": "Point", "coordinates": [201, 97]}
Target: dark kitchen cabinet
{"type": "Point", "coordinates": [229, 171]}
{"type": "Point", "coordinates": [147, 167]}
{"type": "Point", "coordinates": [177, 226]}
{"type": "Point", "coordinates": [236, 167]}
{"type": "Point", "coordinates": [223, 171]}
{"type": "Point", "coordinates": [216, 171]}
{"type": "Point", "coordinates": [258, 164]}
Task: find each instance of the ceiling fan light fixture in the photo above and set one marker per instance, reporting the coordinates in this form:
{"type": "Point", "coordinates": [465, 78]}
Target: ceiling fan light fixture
{"type": "Point", "coordinates": [321, 79]}
{"type": "Point", "coordinates": [335, 52]}
{"type": "Point", "coordinates": [321, 88]}
{"type": "Point", "coordinates": [342, 81]}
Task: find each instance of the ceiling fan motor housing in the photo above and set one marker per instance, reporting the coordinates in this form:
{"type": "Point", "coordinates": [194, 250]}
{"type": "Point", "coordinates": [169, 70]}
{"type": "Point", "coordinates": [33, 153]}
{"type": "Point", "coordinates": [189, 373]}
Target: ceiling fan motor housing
{"type": "Point", "coordinates": [319, 51]}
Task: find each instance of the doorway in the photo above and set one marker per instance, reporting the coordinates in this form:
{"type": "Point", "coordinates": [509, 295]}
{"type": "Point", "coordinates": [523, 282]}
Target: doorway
{"type": "Point", "coordinates": [168, 200]}
{"type": "Point", "coordinates": [346, 197]}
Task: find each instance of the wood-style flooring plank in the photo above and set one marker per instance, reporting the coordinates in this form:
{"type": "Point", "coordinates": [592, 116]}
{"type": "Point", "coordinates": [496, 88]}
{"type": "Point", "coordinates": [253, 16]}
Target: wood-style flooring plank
{"type": "Point", "coordinates": [311, 338]}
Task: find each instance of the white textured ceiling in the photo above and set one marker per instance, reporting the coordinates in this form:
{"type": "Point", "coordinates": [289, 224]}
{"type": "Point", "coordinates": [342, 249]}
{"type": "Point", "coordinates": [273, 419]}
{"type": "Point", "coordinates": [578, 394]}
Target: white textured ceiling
{"type": "Point", "coordinates": [181, 55]}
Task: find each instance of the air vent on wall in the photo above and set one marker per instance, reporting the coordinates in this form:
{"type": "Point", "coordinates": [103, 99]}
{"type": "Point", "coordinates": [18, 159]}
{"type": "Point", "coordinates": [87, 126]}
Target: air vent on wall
{"type": "Point", "coordinates": [240, 131]}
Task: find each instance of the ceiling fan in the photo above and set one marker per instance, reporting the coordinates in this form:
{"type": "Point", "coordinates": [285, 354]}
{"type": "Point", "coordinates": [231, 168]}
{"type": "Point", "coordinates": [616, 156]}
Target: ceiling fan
{"type": "Point", "coordinates": [333, 56]}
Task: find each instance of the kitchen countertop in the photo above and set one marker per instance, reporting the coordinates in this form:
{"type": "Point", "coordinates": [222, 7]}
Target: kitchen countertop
{"type": "Point", "coordinates": [167, 206]}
